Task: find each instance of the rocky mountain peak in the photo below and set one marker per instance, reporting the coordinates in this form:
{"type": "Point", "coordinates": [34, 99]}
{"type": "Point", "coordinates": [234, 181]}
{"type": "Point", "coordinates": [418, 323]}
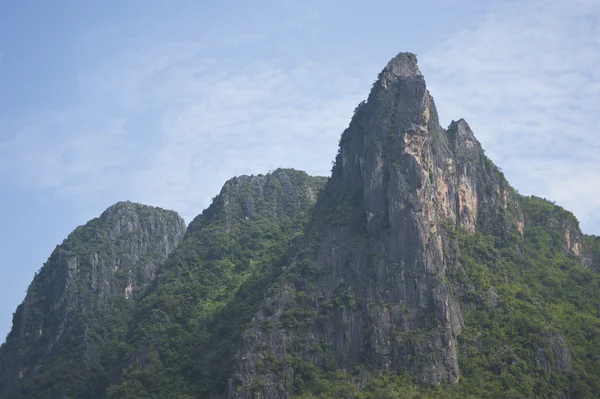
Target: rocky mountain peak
{"type": "Point", "coordinates": [122, 207]}
{"type": "Point", "coordinates": [461, 129]}
{"type": "Point", "coordinates": [97, 272]}
{"type": "Point", "coordinates": [401, 66]}
{"type": "Point", "coordinates": [400, 93]}
{"type": "Point", "coordinates": [398, 180]}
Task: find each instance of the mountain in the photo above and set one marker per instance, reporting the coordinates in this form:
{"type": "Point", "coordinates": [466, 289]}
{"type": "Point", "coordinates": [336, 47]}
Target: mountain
{"type": "Point", "coordinates": [67, 330]}
{"type": "Point", "coordinates": [417, 242]}
{"type": "Point", "coordinates": [185, 331]}
{"type": "Point", "coordinates": [414, 271]}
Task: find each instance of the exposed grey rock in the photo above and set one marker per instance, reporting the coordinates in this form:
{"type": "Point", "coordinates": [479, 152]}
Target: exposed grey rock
{"type": "Point", "coordinates": [556, 356]}
{"type": "Point", "coordinates": [397, 179]}
{"type": "Point", "coordinates": [493, 298]}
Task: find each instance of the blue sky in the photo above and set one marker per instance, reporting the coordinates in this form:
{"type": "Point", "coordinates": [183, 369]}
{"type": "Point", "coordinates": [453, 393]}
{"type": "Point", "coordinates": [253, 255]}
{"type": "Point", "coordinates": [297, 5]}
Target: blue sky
{"type": "Point", "coordinates": [160, 102]}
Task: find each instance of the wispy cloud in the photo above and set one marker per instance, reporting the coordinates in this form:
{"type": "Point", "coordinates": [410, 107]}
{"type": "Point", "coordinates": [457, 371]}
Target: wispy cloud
{"type": "Point", "coordinates": [527, 78]}
{"type": "Point", "coordinates": [64, 150]}
{"type": "Point", "coordinates": [165, 118]}
{"type": "Point", "coordinates": [168, 122]}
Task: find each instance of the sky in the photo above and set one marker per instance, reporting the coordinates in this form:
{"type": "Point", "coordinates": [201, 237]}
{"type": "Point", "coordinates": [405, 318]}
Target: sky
{"type": "Point", "coordinates": [162, 101]}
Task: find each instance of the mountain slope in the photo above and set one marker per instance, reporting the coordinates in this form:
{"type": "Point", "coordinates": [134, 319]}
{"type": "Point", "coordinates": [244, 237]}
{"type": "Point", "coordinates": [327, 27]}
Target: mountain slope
{"type": "Point", "coordinates": [531, 324]}
{"type": "Point", "coordinates": [190, 320]}
{"type": "Point", "coordinates": [65, 333]}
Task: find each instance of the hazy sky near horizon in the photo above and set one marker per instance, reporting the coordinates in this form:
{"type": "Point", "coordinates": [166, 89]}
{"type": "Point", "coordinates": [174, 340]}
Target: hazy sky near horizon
{"type": "Point", "coordinates": [160, 102]}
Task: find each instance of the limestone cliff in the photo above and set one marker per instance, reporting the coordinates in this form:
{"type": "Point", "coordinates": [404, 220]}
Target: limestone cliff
{"type": "Point", "coordinates": [372, 287]}
{"type": "Point", "coordinates": [76, 306]}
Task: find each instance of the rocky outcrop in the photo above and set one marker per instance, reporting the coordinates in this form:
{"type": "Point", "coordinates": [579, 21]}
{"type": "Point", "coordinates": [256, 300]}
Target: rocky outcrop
{"type": "Point", "coordinates": [563, 226]}
{"type": "Point", "coordinates": [592, 252]}
{"type": "Point", "coordinates": [556, 356]}
{"type": "Point", "coordinates": [373, 289]}
{"type": "Point", "coordinates": [95, 273]}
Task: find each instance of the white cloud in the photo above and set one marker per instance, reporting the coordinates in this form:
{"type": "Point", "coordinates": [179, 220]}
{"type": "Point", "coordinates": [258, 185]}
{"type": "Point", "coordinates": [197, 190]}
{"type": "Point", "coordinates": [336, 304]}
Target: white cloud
{"type": "Point", "coordinates": [167, 123]}
{"type": "Point", "coordinates": [527, 78]}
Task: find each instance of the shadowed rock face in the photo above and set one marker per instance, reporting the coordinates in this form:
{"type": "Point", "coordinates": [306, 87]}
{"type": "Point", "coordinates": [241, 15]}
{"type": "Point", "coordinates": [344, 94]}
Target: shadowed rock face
{"type": "Point", "coordinates": [398, 178]}
{"type": "Point", "coordinates": [98, 271]}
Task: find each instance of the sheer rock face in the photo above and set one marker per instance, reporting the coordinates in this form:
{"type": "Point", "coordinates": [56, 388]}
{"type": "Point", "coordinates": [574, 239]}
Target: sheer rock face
{"type": "Point", "coordinates": [402, 178]}
{"type": "Point", "coordinates": [99, 268]}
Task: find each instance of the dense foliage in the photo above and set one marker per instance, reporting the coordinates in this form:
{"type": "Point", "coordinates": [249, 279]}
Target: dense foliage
{"type": "Point", "coordinates": [531, 307]}
{"type": "Point", "coordinates": [186, 329]}
{"type": "Point", "coordinates": [66, 333]}
{"type": "Point", "coordinates": [532, 320]}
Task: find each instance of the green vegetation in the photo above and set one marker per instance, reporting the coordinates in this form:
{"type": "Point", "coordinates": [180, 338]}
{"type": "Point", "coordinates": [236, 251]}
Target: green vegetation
{"type": "Point", "coordinates": [524, 304]}
{"type": "Point", "coordinates": [531, 308]}
{"type": "Point", "coordinates": [67, 334]}
{"type": "Point", "coordinates": [186, 329]}
{"type": "Point", "coordinates": [521, 297]}
{"type": "Point", "coordinates": [592, 250]}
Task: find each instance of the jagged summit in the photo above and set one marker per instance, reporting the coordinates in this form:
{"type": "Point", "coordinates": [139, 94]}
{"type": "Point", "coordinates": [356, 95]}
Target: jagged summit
{"type": "Point", "coordinates": [462, 126]}
{"type": "Point", "coordinates": [248, 197]}
{"type": "Point", "coordinates": [462, 137]}
{"type": "Point", "coordinates": [125, 204]}
{"type": "Point", "coordinates": [400, 73]}
{"type": "Point", "coordinates": [279, 173]}
{"type": "Point", "coordinates": [399, 101]}
{"type": "Point", "coordinates": [403, 65]}
{"type": "Point", "coordinates": [398, 180]}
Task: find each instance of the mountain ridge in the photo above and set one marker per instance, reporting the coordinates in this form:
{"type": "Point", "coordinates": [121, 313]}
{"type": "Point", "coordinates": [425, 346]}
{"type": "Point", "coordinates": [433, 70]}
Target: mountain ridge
{"type": "Point", "coordinates": [414, 271]}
